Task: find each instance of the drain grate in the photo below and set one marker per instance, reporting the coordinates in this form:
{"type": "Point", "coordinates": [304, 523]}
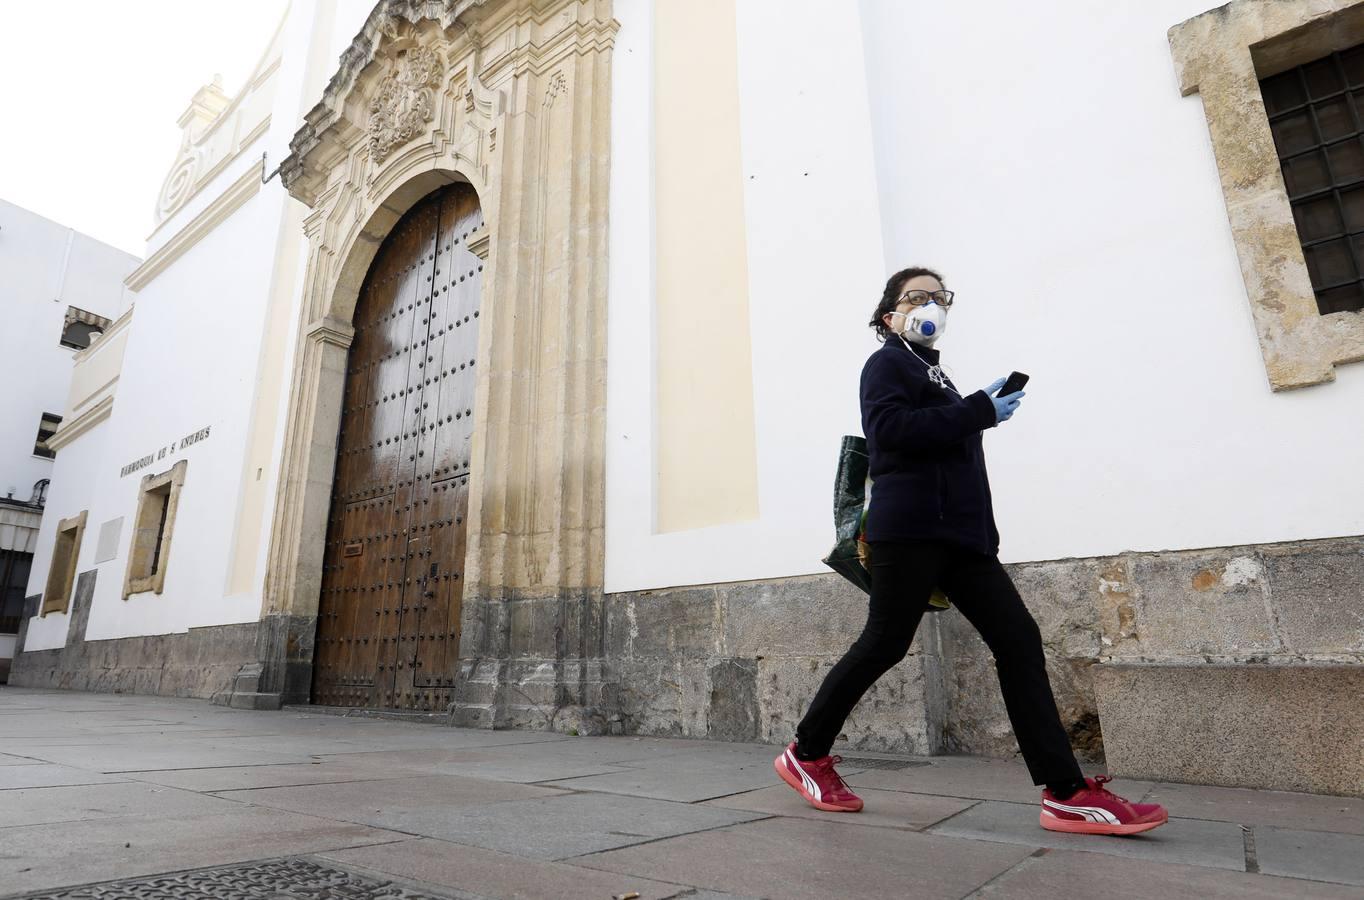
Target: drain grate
{"type": "Point", "coordinates": [285, 879]}
{"type": "Point", "coordinates": [893, 765]}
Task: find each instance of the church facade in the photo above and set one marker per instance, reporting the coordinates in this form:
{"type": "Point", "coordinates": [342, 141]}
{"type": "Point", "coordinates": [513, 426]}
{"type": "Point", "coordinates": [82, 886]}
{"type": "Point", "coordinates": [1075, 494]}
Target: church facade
{"type": "Point", "coordinates": [497, 371]}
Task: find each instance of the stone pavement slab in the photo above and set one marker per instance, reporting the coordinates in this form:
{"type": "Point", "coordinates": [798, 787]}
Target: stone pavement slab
{"type": "Point", "coordinates": [1059, 873]}
{"type": "Point", "coordinates": [514, 813]}
{"type": "Point", "coordinates": [413, 738]}
{"type": "Point", "coordinates": [237, 778]}
{"type": "Point", "coordinates": [41, 806]}
{"type": "Point", "coordinates": [158, 754]}
{"type": "Point", "coordinates": [1311, 854]}
{"type": "Point", "coordinates": [1194, 841]}
{"type": "Point", "coordinates": [1283, 809]}
{"type": "Point", "coordinates": [7, 760]}
{"type": "Point", "coordinates": [686, 780]}
{"type": "Point", "coordinates": [522, 763]}
{"type": "Point", "coordinates": [560, 827]}
{"type": "Point", "coordinates": [432, 806]}
{"type": "Point", "coordinates": [48, 856]}
{"type": "Point", "coordinates": [96, 738]}
{"type": "Point", "coordinates": [614, 750]}
{"type": "Point", "coordinates": [795, 858]}
{"type": "Point", "coordinates": [975, 778]}
{"type": "Point", "coordinates": [42, 774]}
{"type": "Point", "coordinates": [884, 809]}
{"type": "Point", "coordinates": [503, 875]}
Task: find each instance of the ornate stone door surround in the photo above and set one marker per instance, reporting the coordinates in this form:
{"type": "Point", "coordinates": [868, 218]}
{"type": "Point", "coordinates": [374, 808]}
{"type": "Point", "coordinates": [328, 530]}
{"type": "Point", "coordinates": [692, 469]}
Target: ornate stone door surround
{"type": "Point", "coordinates": [1222, 54]}
{"type": "Point", "coordinates": [513, 97]}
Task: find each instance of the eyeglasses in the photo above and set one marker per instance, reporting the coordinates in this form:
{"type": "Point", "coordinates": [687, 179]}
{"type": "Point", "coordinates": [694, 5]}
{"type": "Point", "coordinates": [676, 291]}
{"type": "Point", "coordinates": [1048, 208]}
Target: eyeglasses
{"type": "Point", "coordinates": [921, 298]}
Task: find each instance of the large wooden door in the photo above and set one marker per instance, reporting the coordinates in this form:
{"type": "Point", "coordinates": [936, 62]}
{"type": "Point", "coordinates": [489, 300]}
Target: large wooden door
{"type": "Point", "coordinates": [392, 579]}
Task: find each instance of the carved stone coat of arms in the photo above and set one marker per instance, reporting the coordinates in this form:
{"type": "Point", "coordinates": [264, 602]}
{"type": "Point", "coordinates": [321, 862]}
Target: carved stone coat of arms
{"type": "Point", "coordinates": [403, 103]}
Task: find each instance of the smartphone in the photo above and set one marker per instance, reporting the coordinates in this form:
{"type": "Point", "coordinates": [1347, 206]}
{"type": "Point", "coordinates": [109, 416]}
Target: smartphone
{"type": "Point", "coordinates": [1013, 384]}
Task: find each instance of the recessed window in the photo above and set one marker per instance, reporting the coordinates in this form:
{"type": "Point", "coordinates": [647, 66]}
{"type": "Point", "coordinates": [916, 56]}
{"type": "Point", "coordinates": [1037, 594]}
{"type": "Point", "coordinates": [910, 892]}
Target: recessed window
{"type": "Point", "coordinates": [81, 327]}
{"type": "Point", "coordinates": [47, 427]}
{"type": "Point", "coordinates": [153, 526]}
{"type": "Point", "coordinates": [61, 576]}
{"type": "Point", "coordinates": [14, 568]}
{"type": "Point", "coordinates": [1316, 113]}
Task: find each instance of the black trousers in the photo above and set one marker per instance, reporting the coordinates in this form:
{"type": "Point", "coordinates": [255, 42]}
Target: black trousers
{"type": "Point", "coordinates": [902, 579]}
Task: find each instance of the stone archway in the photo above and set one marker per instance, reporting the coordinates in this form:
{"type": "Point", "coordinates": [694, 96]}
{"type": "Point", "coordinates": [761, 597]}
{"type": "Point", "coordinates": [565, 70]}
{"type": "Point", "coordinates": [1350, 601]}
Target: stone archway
{"type": "Point", "coordinates": [512, 96]}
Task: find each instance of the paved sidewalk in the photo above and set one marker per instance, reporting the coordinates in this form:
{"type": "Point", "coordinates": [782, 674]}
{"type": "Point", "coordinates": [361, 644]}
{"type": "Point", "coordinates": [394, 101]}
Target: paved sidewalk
{"type": "Point", "coordinates": [98, 788]}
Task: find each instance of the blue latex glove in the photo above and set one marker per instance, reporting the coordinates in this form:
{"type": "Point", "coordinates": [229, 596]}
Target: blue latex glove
{"type": "Point", "coordinates": [1004, 406]}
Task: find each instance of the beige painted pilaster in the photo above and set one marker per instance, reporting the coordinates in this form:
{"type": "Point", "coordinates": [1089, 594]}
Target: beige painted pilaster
{"type": "Point", "coordinates": [706, 435]}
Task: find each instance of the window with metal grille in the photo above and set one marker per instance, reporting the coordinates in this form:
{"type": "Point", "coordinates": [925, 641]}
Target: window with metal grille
{"type": "Point", "coordinates": [46, 428]}
{"type": "Point", "coordinates": [1316, 112]}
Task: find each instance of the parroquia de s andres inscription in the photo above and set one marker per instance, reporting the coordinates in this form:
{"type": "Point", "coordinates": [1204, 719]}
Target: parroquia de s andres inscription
{"type": "Point", "coordinates": [169, 450]}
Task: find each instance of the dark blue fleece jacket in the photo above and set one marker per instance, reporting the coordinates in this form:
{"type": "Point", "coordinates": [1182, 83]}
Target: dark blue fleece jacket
{"type": "Point", "coordinates": [927, 463]}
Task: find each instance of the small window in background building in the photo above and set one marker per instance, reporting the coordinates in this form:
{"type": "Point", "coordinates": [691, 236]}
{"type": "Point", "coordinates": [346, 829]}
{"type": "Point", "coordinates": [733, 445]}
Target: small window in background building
{"type": "Point", "coordinates": [46, 428]}
{"type": "Point", "coordinates": [81, 327]}
{"type": "Point", "coordinates": [1316, 112]}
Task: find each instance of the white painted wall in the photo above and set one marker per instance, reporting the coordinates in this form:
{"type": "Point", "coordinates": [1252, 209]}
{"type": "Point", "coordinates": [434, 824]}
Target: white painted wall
{"type": "Point", "coordinates": [815, 257]}
{"type": "Point", "coordinates": [191, 363]}
{"type": "Point", "coordinates": [192, 360]}
{"type": "Point", "coordinates": [80, 466]}
{"type": "Point", "coordinates": [44, 268]}
{"type": "Point", "coordinates": [1043, 159]}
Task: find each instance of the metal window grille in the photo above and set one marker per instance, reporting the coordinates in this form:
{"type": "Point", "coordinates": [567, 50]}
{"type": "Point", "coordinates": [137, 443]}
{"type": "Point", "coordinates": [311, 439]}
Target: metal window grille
{"type": "Point", "coordinates": [1316, 112]}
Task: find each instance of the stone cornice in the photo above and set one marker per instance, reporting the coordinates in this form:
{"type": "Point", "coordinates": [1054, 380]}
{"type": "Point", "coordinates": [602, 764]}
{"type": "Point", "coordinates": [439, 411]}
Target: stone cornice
{"type": "Point", "coordinates": [228, 202]}
{"type": "Point", "coordinates": [118, 327]}
{"type": "Point", "coordinates": [81, 424]}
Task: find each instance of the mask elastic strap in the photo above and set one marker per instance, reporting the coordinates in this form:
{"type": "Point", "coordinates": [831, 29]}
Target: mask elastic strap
{"type": "Point", "coordinates": [935, 372]}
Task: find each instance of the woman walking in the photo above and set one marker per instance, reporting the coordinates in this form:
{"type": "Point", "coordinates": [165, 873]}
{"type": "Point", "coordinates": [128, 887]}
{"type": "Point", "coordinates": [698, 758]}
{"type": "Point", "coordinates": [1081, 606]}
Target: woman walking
{"type": "Point", "coordinates": [930, 525]}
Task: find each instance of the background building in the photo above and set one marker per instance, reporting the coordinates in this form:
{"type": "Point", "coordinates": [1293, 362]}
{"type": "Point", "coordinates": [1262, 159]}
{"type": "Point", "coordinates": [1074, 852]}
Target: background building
{"type": "Point", "coordinates": [59, 291]}
{"type": "Point", "coordinates": [517, 393]}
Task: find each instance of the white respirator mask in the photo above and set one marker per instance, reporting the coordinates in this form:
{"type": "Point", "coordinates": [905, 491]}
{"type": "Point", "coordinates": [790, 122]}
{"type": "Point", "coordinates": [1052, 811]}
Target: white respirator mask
{"type": "Point", "coordinates": [923, 324]}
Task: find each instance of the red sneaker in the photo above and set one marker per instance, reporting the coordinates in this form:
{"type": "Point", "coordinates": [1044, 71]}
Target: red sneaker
{"type": "Point", "coordinates": [1096, 810]}
{"type": "Point", "coordinates": [816, 781]}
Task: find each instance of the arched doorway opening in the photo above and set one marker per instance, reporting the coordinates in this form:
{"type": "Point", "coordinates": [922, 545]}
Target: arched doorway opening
{"type": "Point", "coordinates": [393, 565]}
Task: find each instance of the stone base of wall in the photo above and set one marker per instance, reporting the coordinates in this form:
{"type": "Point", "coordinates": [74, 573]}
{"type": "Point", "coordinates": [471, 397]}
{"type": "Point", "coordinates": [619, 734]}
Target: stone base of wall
{"type": "Point", "coordinates": [1282, 727]}
{"type": "Point", "coordinates": [534, 662]}
{"type": "Point", "coordinates": [1202, 643]}
{"type": "Point", "coordinates": [199, 663]}
{"type": "Point", "coordinates": [741, 662]}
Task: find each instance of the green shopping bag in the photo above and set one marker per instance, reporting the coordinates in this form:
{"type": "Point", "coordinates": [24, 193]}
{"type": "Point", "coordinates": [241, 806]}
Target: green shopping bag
{"type": "Point", "coordinates": [851, 554]}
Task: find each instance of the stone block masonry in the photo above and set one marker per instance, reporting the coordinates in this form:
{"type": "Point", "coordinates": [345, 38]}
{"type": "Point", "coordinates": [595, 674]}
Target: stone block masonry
{"type": "Point", "coordinates": [1253, 632]}
{"type": "Point", "coordinates": [1240, 666]}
